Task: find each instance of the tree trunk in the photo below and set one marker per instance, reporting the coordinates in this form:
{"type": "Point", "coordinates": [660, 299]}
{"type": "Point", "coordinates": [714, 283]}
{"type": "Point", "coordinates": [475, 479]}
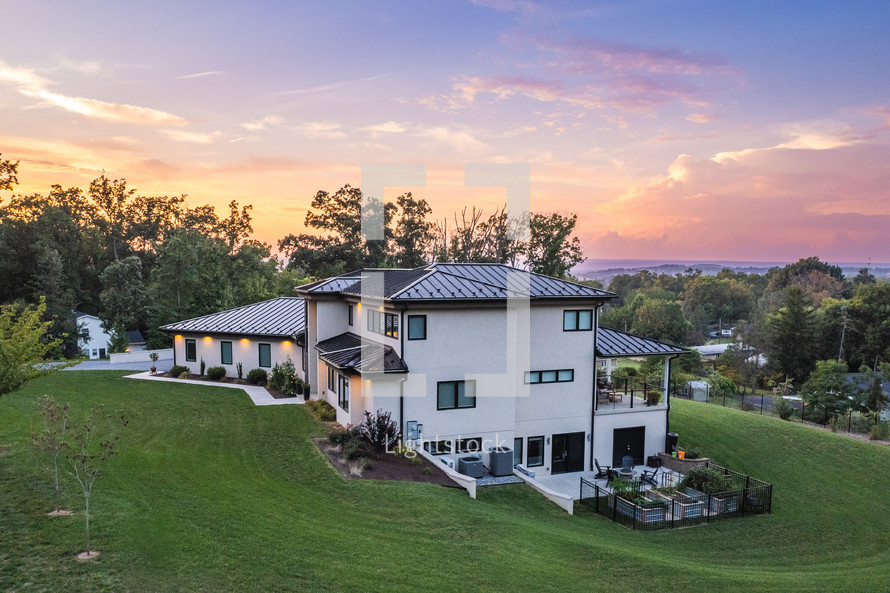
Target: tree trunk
{"type": "Point", "coordinates": [58, 492]}
{"type": "Point", "coordinates": [88, 522]}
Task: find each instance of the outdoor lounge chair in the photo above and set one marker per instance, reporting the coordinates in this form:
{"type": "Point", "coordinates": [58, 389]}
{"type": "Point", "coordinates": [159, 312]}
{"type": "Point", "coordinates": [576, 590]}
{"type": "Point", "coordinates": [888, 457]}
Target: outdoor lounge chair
{"type": "Point", "coordinates": [649, 475]}
{"type": "Point", "coordinates": [603, 472]}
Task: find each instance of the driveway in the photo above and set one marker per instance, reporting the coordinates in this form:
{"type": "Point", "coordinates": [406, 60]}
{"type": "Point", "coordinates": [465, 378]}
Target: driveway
{"type": "Point", "coordinates": [163, 365]}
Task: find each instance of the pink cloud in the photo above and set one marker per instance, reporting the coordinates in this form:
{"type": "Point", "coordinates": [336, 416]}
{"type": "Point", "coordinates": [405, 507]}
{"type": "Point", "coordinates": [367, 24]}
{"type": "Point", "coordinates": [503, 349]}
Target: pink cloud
{"type": "Point", "coordinates": [770, 203]}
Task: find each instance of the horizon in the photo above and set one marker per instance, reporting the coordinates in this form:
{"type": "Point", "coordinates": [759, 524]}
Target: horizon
{"type": "Point", "coordinates": [749, 133]}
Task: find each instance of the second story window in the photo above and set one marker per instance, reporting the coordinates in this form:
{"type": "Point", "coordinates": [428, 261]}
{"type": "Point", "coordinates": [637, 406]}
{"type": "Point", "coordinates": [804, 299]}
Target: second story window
{"type": "Point", "coordinates": [416, 327]}
{"type": "Point", "coordinates": [577, 320]}
{"type": "Point", "coordinates": [332, 379]}
{"type": "Point", "coordinates": [383, 323]}
{"type": "Point", "coordinates": [561, 376]}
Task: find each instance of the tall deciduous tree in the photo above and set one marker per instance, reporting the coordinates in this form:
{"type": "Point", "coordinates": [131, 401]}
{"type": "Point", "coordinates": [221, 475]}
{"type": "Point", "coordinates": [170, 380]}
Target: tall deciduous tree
{"type": "Point", "coordinates": [413, 235]}
{"type": "Point", "coordinates": [8, 173]}
{"type": "Point", "coordinates": [236, 228]}
{"type": "Point", "coordinates": [123, 294]}
{"type": "Point", "coordinates": [112, 201]}
{"type": "Point", "coordinates": [828, 390]}
{"type": "Point", "coordinates": [551, 248]}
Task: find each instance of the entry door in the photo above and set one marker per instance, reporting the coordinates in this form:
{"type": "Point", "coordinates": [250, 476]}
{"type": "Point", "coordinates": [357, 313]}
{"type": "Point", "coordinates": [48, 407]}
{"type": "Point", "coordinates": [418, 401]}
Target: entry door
{"type": "Point", "coordinates": [622, 438]}
{"type": "Point", "coordinates": [568, 453]}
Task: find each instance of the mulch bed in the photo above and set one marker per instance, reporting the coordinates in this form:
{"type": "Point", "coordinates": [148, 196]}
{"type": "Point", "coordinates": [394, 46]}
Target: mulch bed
{"type": "Point", "coordinates": [386, 466]}
{"type": "Point", "coordinates": [232, 380]}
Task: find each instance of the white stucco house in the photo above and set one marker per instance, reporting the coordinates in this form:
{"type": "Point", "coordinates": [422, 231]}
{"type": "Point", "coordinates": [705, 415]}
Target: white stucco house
{"type": "Point", "coordinates": [440, 347]}
{"type": "Point", "coordinates": [465, 357]}
{"type": "Point", "coordinates": [256, 336]}
{"type": "Point", "coordinates": [96, 345]}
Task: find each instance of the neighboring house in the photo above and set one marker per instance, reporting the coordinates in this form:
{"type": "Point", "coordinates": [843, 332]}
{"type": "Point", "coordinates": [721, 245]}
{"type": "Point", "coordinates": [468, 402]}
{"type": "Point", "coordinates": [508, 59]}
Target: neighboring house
{"type": "Point", "coordinates": [711, 352]}
{"type": "Point", "coordinates": [433, 346]}
{"type": "Point", "coordinates": [96, 345]}
{"type": "Point", "coordinates": [606, 366]}
{"type": "Point", "coordinates": [257, 336]}
{"type": "Point", "coordinates": [857, 380]}
{"type": "Point", "coordinates": [136, 341]}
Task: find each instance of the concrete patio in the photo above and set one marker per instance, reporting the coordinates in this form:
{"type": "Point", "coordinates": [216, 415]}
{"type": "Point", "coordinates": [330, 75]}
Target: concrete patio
{"type": "Point", "coordinates": [570, 484]}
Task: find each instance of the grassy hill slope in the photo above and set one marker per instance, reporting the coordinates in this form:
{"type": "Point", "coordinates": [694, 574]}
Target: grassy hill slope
{"type": "Point", "coordinates": [211, 493]}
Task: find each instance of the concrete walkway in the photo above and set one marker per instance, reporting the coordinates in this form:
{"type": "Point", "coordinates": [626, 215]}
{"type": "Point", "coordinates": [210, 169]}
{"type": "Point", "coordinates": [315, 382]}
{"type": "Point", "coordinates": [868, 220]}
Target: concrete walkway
{"type": "Point", "coordinates": [257, 394]}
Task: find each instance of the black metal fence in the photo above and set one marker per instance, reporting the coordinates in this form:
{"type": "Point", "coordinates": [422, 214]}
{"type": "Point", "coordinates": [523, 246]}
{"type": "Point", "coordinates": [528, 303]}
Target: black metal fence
{"type": "Point", "coordinates": [648, 510]}
{"type": "Point", "coordinates": [849, 421]}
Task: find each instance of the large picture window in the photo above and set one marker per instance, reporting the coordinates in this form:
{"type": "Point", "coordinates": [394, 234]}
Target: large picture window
{"type": "Point", "coordinates": [265, 355]}
{"type": "Point", "coordinates": [225, 352]}
{"type": "Point", "coordinates": [535, 451]}
{"type": "Point", "coordinates": [577, 320]}
{"type": "Point", "coordinates": [456, 394]}
{"type": "Point", "coordinates": [386, 324]}
{"type": "Point", "coordinates": [416, 327]}
{"type": "Point", "coordinates": [191, 351]}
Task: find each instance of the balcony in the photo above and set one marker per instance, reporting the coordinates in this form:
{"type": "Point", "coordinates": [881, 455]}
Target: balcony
{"type": "Point", "coordinates": [629, 394]}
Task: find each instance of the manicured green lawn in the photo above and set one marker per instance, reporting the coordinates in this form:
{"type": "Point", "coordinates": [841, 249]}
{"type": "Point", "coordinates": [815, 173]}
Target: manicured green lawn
{"type": "Point", "coordinates": [210, 493]}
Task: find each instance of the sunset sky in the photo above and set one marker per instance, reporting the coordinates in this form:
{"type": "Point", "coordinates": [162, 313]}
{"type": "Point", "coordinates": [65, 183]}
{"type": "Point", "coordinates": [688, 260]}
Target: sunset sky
{"type": "Point", "coordinates": [674, 129]}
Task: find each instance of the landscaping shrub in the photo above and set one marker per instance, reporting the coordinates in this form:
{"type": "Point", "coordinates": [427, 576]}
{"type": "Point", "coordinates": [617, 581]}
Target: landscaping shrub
{"type": "Point", "coordinates": [216, 373]}
{"type": "Point", "coordinates": [704, 479]}
{"type": "Point", "coordinates": [203, 366]}
{"type": "Point", "coordinates": [782, 407]}
{"type": "Point", "coordinates": [178, 370]}
{"type": "Point", "coordinates": [284, 378]}
{"type": "Point", "coordinates": [380, 429]}
{"type": "Point", "coordinates": [184, 374]}
{"type": "Point", "coordinates": [257, 377]}
{"type": "Point", "coordinates": [322, 410]}
{"type": "Point", "coordinates": [879, 431]}
{"type": "Point", "coordinates": [354, 449]}
{"type": "Point", "coordinates": [240, 368]}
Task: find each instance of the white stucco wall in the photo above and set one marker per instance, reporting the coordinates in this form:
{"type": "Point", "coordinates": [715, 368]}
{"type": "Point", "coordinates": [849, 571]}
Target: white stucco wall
{"type": "Point", "coordinates": [99, 338]}
{"type": "Point", "coordinates": [652, 418]}
{"type": "Point", "coordinates": [244, 350]}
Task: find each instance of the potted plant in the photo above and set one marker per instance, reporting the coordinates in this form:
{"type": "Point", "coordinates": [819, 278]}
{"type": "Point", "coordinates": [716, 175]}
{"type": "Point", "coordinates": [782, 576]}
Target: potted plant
{"type": "Point", "coordinates": [154, 358]}
{"type": "Point", "coordinates": [652, 398]}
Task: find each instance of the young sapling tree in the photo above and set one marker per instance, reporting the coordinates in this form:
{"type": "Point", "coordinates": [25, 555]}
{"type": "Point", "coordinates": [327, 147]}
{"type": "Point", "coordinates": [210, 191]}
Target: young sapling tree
{"type": "Point", "coordinates": [53, 438]}
{"type": "Point", "coordinates": [91, 444]}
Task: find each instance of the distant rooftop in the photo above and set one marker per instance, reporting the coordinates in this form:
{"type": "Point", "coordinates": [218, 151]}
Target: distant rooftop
{"type": "Point", "coordinates": [448, 281]}
{"type": "Point", "coordinates": [283, 317]}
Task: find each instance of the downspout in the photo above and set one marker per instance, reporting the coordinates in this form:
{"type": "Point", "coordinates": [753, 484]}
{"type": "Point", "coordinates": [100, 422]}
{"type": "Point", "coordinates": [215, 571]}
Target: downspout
{"type": "Point", "coordinates": [667, 398]}
{"type": "Point", "coordinates": [402, 330]}
{"type": "Point", "coordinates": [596, 325]}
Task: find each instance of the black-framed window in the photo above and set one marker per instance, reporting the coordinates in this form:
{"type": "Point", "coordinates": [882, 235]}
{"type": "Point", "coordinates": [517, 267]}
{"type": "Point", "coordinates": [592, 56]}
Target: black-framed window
{"type": "Point", "coordinates": [471, 445]}
{"type": "Point", "coordinates": [560, 376]}
{"type": "Point", "coordinates": [386, 324]}
{"type": "Point", "coordinates": [437, 447]}
{"type": "Point", "coordinates": [456, 394]}
{"type": "Point", "coordinates": [349, 309]}
{"type": "Point", "coordinates": [332, 379]}
{"type": "Point", "coordinates": [265, 351]}
{"type": "Point", "coordinates": [416, 327]}
{"type": "Point", "coordinates": [191, 351]}
{"type": "Point", "coordinates": [517, 451]}
{"type": "Point", "coordinates": [577, 320]}
{"type": "Point", "coordinates": [535, 451]}
{"type": "Point", "coordinates": [225, 353]}
{"type": "Point", "coordinates": [343, 392]}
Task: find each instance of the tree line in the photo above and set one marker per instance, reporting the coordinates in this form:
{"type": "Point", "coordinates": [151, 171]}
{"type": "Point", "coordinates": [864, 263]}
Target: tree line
{"type": "Point", "coordinates": [786, 322]}
{"type": "Point", "coordinates": [139, 261]}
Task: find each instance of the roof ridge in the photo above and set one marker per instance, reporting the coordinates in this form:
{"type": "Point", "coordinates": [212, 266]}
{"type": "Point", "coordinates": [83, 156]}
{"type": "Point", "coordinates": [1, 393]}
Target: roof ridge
{"type": "Point", "coordinates": [429, 272]}
{"type": "Point", "coordinates": [234, 309]}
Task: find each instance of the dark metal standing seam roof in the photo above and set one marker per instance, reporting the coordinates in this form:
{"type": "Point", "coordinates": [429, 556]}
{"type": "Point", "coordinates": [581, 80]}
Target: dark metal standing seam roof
{"type": "Point", "coordinates": [283, 317]}
{"type": "Point", "coordinates": [347, 351]}
{"type": "Point", "coordinates": [613, 343]}
{"type": "Point", "coordinates": [458, 281]}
